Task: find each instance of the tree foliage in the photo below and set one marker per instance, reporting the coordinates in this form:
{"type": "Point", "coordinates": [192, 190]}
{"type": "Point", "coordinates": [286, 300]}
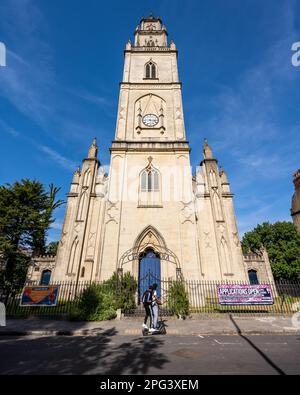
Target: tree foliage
{"type": "Point", "coordinates": [124, 288]}
{"type": "Point", "coordinates": [26, 213]}
{"type": "Point", "coordinates": [52, 248]}
{"type": "Point", "coordinates": [96, 303]}
{"type": "Point", "coordinates": [282, 242]}
{"type": "Point", "coordinates": [178, 300]}
{"type": "Point", "coordinates": [99, 302]}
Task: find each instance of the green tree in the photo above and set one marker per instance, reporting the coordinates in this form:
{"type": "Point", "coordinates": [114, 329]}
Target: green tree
{"type": "Point", "coordinates": [26, 213]}
{"type": "Point", "coordinates": [282, 242]}
{"type": "Point", "coordinates": [52, 248]}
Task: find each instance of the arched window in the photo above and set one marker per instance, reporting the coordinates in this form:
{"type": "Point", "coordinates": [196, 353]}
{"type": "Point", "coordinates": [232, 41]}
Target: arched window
{"type": "Point", "coordinates": [81, 206]}
{"type": "Point", "coordinates": [45, 278]}
{"type": "Point", "coordinates": [253, 279]}
{"type": "Point", "coordinates": [150, 180]}
{"type": "Point", "coordinates": [86, 178]}
{"type": "Point", "coordinates": [150, 188]}
{"type": "Point", "coordinates": [150, 70]}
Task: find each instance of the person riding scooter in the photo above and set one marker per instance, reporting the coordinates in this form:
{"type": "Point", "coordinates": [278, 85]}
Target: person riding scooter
{"type": "Point", "coordinates": [155, 301]}
{"type": "Point", "coordinates": [147, 302]}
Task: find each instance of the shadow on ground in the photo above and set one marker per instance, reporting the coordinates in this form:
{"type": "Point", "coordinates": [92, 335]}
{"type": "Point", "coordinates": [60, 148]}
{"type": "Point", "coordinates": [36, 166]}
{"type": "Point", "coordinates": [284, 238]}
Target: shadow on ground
{"type": "Point", "coordinates": [257, 349]}
{"type": "Point", "coordinates": [80, 355]}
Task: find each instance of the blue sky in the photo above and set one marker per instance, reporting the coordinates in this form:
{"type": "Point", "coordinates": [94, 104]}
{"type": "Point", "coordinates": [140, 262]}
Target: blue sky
{"type": "Point", "coordinates": [61, 84]}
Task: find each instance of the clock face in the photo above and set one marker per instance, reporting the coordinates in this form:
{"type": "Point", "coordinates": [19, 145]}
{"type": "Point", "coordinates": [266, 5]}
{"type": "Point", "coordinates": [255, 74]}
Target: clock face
{"type": "Point", "coordinates": [150, 120]}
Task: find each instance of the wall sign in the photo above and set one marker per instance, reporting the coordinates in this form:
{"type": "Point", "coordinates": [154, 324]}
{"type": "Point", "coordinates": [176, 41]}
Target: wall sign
{"type": "Point", "coordinates": [39, 296]}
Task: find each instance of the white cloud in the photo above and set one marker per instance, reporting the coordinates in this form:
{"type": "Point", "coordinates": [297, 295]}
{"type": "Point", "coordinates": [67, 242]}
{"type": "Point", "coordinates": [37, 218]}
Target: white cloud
{"type": "Point", "coordinates": [57, 225]}
{"type": "Point", "coordinates": [57, 158]}
{"type": "Point", "coordinates": [9, 129]}
{"type": "Point", "coordinates": [99, 101]}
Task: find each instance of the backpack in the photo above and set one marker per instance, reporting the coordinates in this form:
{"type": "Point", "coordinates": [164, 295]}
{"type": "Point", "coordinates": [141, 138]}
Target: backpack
{"type": "Point", "coordinates": [147, 297]}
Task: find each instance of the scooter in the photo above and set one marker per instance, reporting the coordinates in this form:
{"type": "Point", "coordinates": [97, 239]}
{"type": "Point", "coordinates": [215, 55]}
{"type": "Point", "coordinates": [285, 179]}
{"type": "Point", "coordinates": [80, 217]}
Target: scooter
{"type": "Point", "coordinates": [161, 330]}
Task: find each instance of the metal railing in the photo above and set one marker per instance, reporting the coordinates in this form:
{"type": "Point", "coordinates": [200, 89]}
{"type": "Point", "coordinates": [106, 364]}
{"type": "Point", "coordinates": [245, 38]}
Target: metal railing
{"type": "Point", "coordinates": [68, 298]}
{"type": "Point", "coordinates": [203, 299]}
{"type": "Point", "coordinates": [202, 296]}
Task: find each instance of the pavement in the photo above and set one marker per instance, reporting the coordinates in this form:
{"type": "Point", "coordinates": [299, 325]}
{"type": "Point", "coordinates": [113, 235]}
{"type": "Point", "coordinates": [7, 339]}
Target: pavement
{"type": "Point", "coordinates": [195, 326]}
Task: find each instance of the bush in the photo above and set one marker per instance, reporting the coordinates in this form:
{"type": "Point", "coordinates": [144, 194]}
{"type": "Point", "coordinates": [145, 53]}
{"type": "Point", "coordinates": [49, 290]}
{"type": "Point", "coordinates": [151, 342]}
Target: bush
{"type": "Point", "coordinates": [178, 300]}
{"type": "Point", "coordinates": [99, 302]}
{"type": "Point", "coordinates": [123, 288]}
{"type": "Point", "coordinates": [94, 304]}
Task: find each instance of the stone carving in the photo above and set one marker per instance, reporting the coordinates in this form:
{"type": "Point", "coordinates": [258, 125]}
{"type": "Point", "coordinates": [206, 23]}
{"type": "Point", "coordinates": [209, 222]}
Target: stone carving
{"type": "Point", "coordinates": [77, 227]}
{"type": "Point", "coordinates": [112, 212]}
{"type": "Point", "coordinates": [221, 228]}
{"type": "Point", "coordinates": [93, 150]}
{"type": "Point", "coordinates": [207, 239]}
{"type": "Point", "coordinates": [146, 86]}
{"type": "Point", "coordinates": [187, 213]}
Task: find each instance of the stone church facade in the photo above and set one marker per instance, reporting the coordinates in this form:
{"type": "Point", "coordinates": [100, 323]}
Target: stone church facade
{"type": "Point", "coordinates": [150, 202]}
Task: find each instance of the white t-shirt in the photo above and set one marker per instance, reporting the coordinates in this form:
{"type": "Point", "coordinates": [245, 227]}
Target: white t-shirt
{"type": "Point", "coordinates": [154, 296]}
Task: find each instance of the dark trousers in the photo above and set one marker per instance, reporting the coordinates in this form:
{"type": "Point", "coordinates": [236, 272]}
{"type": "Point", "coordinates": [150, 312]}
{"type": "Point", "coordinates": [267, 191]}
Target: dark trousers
{"type": "Point", "coordinates": [149, 313]}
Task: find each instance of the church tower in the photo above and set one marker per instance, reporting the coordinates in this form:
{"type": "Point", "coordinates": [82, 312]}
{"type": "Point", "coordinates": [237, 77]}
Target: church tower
{"type": "Point", "coordinates": [150, 182]}
{"type": "Point", "coordinates": [150, 213]}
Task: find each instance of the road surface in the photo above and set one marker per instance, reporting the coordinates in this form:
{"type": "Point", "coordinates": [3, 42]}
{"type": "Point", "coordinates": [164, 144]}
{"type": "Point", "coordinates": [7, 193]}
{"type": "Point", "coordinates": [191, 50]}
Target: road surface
{"type": "Point", "coordinates": [115, 354]}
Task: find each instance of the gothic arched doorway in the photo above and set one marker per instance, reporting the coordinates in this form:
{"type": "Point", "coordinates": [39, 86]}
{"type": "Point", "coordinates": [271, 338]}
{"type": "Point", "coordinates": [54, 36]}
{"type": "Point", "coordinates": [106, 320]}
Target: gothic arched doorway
{"type": "Point", "coordinates": [149, 271]}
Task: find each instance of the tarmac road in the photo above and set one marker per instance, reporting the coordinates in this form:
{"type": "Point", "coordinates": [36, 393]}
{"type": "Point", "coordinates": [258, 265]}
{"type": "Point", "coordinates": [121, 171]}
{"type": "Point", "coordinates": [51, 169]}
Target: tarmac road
{"type": "Point", "coordinates": [112, 353]}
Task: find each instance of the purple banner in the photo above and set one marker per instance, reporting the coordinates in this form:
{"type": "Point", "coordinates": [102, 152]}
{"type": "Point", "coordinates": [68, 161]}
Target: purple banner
{"type": "Point", "coordinates": [245, 294]}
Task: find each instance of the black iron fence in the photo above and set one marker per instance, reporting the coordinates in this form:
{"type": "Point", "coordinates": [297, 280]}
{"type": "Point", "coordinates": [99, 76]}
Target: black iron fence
{"type": "Point", "coordinates": [68, 298]}
{"type": "Point", "coordinates": [202, 296]}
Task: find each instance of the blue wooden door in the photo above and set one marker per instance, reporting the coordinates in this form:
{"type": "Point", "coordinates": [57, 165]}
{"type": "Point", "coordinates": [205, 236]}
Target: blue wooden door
{"type": "Point", "coordinates": [149, 271]}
